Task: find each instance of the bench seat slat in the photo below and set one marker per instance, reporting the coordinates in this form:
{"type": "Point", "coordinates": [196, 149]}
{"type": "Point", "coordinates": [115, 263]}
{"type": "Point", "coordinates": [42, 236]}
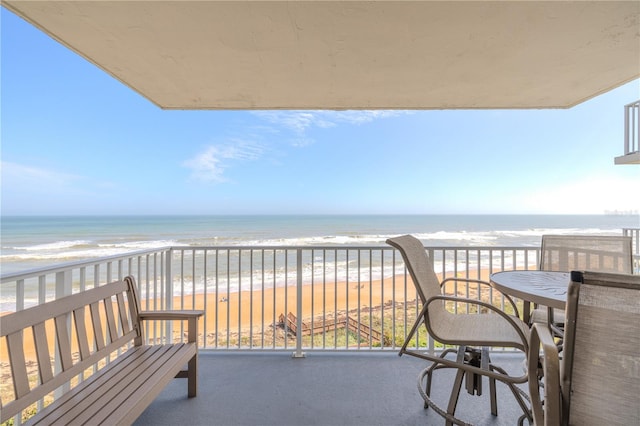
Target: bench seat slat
{"type": "Point", "coordinates": [123, 390]}
{"type": "Point", "coordinates": [140, 398]}
{"type": "Point", "coordinates": [61, 378]}
{"type": "Point", "coordinates": [110, 411]}
{"type": "Point", "coordinates": [89, 391]}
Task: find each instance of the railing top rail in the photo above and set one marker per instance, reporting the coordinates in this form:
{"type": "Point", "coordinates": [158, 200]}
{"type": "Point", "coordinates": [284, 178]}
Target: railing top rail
{"type": "Point", "coordinates": [633, 104]}
{"type": "Point", "coordinates": [349, 247]}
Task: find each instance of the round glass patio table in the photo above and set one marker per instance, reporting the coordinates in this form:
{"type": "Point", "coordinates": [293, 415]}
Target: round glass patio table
{"type": "Point", "coordinates": [546, 288]}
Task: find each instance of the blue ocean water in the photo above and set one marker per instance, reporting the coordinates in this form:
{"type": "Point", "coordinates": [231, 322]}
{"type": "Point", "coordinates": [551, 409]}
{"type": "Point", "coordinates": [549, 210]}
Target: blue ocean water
{"type": "Point", "coordinates": [34, 242]}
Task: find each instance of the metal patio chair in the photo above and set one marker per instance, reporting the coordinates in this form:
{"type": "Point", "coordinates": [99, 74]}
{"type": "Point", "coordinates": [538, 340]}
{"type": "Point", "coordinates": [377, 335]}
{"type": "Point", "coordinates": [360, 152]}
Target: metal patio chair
{"type": "Point", "coordinates": [597, 381]}
{"type": "Point", "coordinates": [472, 334]}
{"type": "Point", "coordinates": [600, 253]}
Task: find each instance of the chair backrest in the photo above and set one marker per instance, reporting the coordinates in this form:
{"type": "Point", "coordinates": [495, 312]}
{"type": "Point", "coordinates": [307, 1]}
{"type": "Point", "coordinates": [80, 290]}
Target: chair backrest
{"type": "Point", "coordinates": [419, 266]}
{"type": "Point", "coordinates": [602, 253]}
{"type": "Point", "coordinates": [600, 374]}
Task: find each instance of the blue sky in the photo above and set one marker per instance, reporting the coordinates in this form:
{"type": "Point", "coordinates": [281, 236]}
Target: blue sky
{"type": "Point", "coordinates": [76, 141]}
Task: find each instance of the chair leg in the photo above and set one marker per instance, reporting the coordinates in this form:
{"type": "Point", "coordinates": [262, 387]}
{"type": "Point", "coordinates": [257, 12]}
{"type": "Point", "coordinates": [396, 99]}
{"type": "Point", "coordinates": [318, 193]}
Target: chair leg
{"type": "Point", "coordinates": [494, 400]}
{"type": "Point", "coordinates": [457, 385]}
{"type": "Point", "coordinates": [519, 395]}
{"type": "Point", "coordinates": [486, 365]}
{"type": "Point", "coordinates": [427, 387]}
{"type": "Point", "coordinates": [430, 370]}
{"type": "Point", "coordinates": [455, 393]}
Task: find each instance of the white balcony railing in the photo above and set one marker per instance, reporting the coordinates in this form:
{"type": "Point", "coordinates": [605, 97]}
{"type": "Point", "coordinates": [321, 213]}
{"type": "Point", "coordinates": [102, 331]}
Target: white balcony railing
{"type": "Point", "coordinates": [258, 298]}
{"type": "Point", "coordinates": [631, 135]}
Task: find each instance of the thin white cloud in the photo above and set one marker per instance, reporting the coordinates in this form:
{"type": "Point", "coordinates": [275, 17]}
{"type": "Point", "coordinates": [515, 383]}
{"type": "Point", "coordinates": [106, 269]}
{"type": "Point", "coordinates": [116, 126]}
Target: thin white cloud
{"type": "Point", "coordinates": [301, 142]}
{"type": "Point", "coordinates": [206, 166]}
{"type": "Point", "coordinates": [297, 121]}
{"type": "Point", "coordinates": [300, 121]}
{"type": "Point", "coordinates": [15, 176]}
{"type": "Point", "coordinates": [209, 165]}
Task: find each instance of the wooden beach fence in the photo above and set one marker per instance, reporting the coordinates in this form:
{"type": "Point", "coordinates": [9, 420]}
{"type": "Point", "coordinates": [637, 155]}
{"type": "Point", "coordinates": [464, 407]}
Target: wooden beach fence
{"type": "Point", "coordinates": [319, 327]}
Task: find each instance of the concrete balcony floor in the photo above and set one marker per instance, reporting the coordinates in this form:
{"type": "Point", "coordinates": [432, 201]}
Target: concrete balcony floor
{"type": "Point", "coordinates": [322, 389]}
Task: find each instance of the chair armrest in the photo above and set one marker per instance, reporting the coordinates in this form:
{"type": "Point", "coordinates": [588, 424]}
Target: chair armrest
{"type": "Point", "coordinates": [550, 414]}
{"type": "Point", "coordinates": [471, 280]}
{"type": "Point", "coordinates": [509, 318]}
{"type": "Point", "coordinates": [191, 315]}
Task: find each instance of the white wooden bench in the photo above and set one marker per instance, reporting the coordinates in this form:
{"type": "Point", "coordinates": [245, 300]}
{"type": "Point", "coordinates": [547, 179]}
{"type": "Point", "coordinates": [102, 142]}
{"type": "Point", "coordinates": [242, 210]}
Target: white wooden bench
{"type": "Point", "coordinates": [94, 324]}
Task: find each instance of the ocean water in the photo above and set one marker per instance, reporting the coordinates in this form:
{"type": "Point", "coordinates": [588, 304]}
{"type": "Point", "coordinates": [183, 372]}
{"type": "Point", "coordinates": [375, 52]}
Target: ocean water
{"type": "Point", "coordinates": [35, 242]}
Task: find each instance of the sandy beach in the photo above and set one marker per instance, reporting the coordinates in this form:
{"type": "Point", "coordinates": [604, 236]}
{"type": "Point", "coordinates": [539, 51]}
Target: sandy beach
{"type": "Point", "coordinates": [232, 312]}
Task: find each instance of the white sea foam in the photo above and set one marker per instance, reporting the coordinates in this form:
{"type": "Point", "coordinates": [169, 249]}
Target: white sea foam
{"type": "Point", "coordinates": [80, 249]}
{"type": "Point", "coordinates": [481, 238]}
{"type": "Point", "coordinates": [544, 231]}
{"type": "Point", "coordinates": [58, 245]}
{"type": "Point", "coordinates": [140, 245]}
{"type": "Point", "coordinates": [456, 236]}
{"type": "Point", "coordinates": [327, 240]}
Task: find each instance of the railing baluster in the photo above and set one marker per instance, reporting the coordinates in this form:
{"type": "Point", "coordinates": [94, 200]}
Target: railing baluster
{"type": "Point", "coordinates": [239, 298]}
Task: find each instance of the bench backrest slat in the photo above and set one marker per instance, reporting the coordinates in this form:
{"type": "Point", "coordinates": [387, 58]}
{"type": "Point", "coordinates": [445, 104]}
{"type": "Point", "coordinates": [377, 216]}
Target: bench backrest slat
{"type": "Point", "coordinates": [111, 319]}
{"type": "Point", "coordinates": [42, 352]}
{"type": "Point", "coordinates": [64, 343]}
{"type": "Point", "coordinates": [81, 332]}
{"type": "Point", "coordinates": [18, 366]}
{"type": "Point", "coordinates": [98, 335]}
{"type": "Point", "coordinates": [74, 327]}
{"type": "Point", "coordinates": [122, 309]}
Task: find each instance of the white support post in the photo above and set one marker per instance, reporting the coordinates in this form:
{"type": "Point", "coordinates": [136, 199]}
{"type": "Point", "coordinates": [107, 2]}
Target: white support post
{"type": "Point", "coordinates": [298, 353]}
{"type": "Point", "coordinates": [63, 288]}
{"type": "Point", "coordinates": [627, 114]}
{"type": "Point", "coordinates": [168, 282]}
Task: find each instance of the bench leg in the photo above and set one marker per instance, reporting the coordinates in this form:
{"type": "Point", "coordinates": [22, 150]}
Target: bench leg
{"type": "Point", "coordinates": [192, 377]}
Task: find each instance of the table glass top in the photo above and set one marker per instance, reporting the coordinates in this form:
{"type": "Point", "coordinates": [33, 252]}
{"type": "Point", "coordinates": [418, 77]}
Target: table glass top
{"type": "Point", "coordinates": [534, 286]}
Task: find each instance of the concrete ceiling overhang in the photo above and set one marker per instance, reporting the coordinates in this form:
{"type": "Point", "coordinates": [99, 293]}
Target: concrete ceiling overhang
{"type": "Point", "coordinates": [352, 54]}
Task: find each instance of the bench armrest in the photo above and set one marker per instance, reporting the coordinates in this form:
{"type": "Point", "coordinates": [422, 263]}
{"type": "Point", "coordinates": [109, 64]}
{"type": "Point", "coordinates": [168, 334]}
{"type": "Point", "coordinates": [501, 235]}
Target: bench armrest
{"type": "Point", "coordinates": [191, 315]}
{"type": "Point", "coordinates": [170, 315]}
